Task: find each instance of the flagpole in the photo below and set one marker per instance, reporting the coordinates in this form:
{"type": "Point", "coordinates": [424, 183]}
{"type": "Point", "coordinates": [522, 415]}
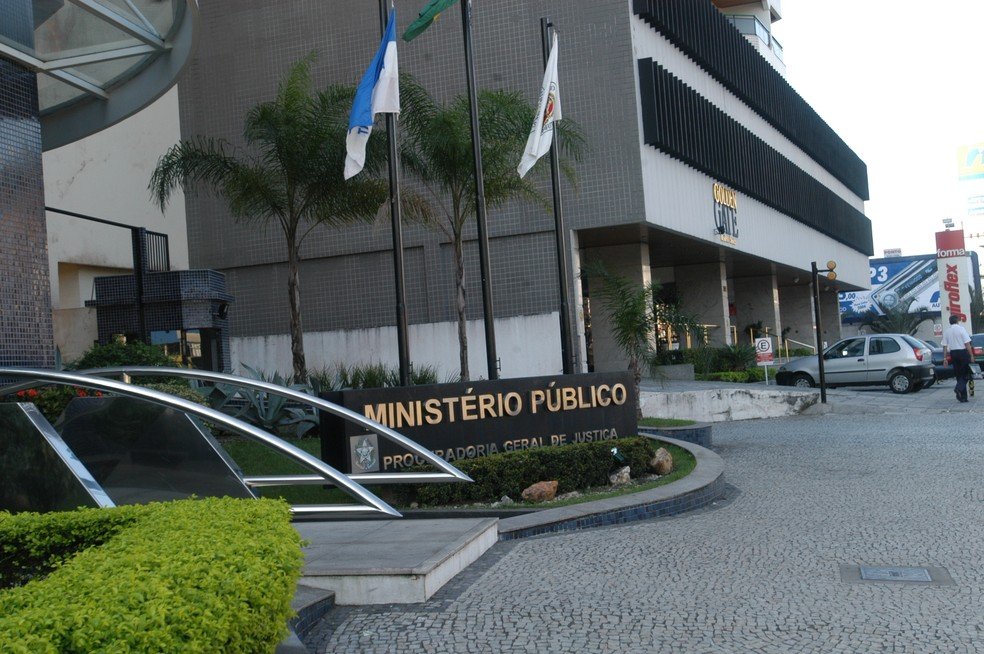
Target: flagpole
{"type": "Point", "coordinates": [483, 240]}
{"type": "Point", "coordinates": [560, 232]}
{"type": "Point", "coordinates": [403, 346]}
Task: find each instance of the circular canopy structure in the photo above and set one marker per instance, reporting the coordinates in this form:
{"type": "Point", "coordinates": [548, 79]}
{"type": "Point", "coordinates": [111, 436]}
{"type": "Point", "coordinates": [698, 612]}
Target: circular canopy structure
{"type": "Point", "coordinates": [98, 61]}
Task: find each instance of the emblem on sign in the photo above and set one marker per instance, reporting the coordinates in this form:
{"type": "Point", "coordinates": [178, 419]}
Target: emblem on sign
{"type": "Point", "coordinates": [365, 453]}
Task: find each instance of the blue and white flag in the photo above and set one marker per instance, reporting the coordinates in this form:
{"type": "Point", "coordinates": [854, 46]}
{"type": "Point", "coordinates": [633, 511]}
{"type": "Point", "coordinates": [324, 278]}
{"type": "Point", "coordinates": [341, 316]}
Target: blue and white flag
{"type": "Point", "coordinates": [378, 93]}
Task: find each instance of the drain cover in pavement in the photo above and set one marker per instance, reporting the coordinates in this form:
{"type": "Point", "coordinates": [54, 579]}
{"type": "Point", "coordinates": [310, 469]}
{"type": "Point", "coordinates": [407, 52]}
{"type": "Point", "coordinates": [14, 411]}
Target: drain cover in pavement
{"type": "Point", "coordinates": [895, 574]}
{"type": "Point", "coordinates": [924, 575]}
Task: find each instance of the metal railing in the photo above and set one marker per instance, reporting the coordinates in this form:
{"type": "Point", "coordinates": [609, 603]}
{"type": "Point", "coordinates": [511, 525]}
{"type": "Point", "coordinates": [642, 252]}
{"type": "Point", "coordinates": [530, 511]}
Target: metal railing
{"type": "Point", "coordinates": [324, 473]}
{"type": "Point", "coordinates": [752, 26]}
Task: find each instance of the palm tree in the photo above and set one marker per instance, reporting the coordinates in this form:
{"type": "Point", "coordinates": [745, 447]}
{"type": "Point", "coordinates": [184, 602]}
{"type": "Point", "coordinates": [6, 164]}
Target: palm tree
{"type": "Point", "coordinates": [898, 319]}
{"type": "Point", "coordinates": [289, 173]}
{"type": "Point", "coordinates": [437, 151]}
{"type": "Point", "coordinates": [634, 311]}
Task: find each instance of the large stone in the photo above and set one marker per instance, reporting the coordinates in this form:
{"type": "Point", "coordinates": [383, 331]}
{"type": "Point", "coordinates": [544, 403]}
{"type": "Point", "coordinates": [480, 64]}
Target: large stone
{"type": "Point", "coordinates": [541, 491]}
{"type": "Point", "coordinates": [620, 477]}
{"type": "Point", "coordinates": [662, 462]}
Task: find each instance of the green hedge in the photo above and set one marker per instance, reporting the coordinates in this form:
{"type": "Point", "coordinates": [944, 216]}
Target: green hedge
{"type": "Point", "coordinates": [737, 377]}
{"type": "Point", "coordinates": [575, 467]}
{"type": "Point", "coordinates": [211, 575]}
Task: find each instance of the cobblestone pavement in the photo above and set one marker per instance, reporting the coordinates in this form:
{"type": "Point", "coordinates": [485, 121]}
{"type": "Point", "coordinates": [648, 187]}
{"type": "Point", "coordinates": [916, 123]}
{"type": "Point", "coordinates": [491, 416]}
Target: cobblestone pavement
{"type": "Point", "coordinates": [759, 571]}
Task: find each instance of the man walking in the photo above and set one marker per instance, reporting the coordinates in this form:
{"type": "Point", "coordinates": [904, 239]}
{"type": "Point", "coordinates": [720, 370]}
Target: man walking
{"type": "Point", "coordinates": [958, 350]}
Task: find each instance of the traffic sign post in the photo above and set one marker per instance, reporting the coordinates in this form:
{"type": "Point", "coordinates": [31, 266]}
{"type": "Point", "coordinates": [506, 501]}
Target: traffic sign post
{"type": "Point", "coordinates": [764, 355]}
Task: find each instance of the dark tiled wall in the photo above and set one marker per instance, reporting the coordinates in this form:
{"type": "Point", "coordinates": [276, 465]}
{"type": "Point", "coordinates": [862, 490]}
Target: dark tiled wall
{"type": "Point", "coordinates": [347, 276]}
{"type": "Point", "coordinates": [25, 295]}
{"type": "Point", "coordinates": [177, 299]}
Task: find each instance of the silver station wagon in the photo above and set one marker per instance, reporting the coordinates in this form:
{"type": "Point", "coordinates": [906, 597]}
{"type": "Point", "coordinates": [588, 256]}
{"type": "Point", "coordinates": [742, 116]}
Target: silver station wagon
{"type": "Point", "coordinates": [898, 360]}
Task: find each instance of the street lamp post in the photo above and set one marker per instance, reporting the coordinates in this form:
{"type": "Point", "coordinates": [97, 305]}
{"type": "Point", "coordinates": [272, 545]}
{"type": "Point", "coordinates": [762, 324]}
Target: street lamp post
{"type": "Point", "coordinates": [831, 275]}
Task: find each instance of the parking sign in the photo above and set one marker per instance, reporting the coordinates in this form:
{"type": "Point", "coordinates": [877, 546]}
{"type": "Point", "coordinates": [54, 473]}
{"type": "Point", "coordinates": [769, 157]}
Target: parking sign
{"type": "Point", "coordinates": [763, 352]}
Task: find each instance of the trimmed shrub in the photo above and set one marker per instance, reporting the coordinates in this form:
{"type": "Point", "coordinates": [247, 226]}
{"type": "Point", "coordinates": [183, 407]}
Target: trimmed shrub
{"type": "Point", "coordinates": [734, 358]}
{"type": "Point", "coordinates": [211, 575]}
{"type": "Point", "coordinates": [133, 353]}
{"type": "Point", "coordinates": [575, 467]}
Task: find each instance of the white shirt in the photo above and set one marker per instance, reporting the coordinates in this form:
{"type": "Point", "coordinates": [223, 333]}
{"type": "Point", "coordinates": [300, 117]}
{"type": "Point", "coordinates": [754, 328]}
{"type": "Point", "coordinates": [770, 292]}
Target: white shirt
{"type": "Point", "coordinates": [955, 337]}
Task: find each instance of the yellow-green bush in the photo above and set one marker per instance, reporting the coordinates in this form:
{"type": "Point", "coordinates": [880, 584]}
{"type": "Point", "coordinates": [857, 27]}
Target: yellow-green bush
{"type": "Point", "coordinates": [211, 575]}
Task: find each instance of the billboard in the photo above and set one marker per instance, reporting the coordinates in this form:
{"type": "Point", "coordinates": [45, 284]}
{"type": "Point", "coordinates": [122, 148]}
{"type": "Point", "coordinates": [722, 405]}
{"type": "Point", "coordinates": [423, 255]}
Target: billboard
{"type": "Point", "coordinates": [895, 281]}
{"type": "Point", "coordinates": [970, 162]}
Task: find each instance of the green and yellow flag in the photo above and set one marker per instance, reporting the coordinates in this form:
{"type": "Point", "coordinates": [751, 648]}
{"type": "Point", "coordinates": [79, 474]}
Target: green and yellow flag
{"type": "Point", "coordinates": [427, 16]}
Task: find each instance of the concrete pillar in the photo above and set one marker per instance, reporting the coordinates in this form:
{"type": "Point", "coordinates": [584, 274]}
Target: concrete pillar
{"type": "Point", "coordinates": [629, 261]}
{"type": "Point", "coordinates": [703, 290]}
{"type": "Point", "coordinates": [756, 300]}
{"type": "Point", "coordinates": [829, 316]}
{"type": "Point", "coordinates": [796, 309]}
{"type": "Point", "coordinates": [26, 334]}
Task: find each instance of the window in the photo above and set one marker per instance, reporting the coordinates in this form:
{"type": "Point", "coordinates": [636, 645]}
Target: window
{"type": "Point", "coordinates": [852, 347]}
{"type": "Point", "coordinates": [884, 345]}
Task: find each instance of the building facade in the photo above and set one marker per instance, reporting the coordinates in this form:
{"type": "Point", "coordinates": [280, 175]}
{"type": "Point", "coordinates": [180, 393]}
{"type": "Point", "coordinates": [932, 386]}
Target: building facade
{"type": "Point", "coordinates": [686, 122]}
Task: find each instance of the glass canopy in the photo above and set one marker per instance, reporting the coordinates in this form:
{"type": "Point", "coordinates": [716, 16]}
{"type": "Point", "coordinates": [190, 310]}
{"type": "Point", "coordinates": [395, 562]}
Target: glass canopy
{"type": "Point", "coordinates": [98, 61]}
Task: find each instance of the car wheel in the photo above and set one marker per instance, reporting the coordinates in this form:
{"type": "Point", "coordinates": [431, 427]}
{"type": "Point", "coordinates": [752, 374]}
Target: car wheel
{"type": "Point", "coordinates": [803, 380]}
{"type": "Point", "coordinates": [900, 382]}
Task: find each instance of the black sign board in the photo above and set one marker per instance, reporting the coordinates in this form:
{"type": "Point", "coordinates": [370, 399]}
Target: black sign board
{"type": "Point", "coordinates": [471, 419]}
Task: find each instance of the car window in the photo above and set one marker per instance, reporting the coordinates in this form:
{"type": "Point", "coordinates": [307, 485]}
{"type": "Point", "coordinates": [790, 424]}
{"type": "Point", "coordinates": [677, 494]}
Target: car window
{"type": "Point", "coordinates": [852, 347]}
{"type": "Point", "coordinates": [884, 345]}
{"type": "Point", "coordinates": [914, 342]}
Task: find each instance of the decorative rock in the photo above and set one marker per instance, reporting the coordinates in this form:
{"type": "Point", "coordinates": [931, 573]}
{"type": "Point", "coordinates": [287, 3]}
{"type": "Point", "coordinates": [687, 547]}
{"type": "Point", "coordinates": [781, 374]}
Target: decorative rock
{"type": "Point", "coordinates": [542, 491]}
{"type": "Point", "coordinates": [620, 477]}
{"type": "Point", "coordinates": [662, 462]}
{"type": "Point", "coordinates": [568, 496]}
{"type": "Point", "coordinates": [505, 499]}
{"type": "Point", "coordinates": [414, 505]}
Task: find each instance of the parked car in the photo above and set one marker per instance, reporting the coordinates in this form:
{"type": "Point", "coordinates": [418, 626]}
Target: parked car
{"type": "Point", "coordinates": [977, 342]}
{"type": "Point", "coordinates": [941, 369]}
{"type": "Point", "coordinates": [901, 361]}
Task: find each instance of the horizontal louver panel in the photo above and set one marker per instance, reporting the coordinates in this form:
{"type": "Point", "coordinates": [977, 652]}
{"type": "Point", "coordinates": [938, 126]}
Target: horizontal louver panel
{"type": "Point", "coordinates": [701, 31]}
{"type": "Point", "coordinates": [681, 123]}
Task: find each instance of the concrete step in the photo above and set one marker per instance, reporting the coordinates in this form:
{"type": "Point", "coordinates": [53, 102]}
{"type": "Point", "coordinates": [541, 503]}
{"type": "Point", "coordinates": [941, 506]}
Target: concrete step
{"type": "Point", "coordinates": [391, 561]}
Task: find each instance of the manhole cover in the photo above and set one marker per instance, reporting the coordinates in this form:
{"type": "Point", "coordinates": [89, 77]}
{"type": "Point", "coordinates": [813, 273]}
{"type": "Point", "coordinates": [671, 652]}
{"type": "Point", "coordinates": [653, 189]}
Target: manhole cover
{"type": "Point", "coordinates": [869, 573]}
{"type": "Point", "coordinates": [923, 575]}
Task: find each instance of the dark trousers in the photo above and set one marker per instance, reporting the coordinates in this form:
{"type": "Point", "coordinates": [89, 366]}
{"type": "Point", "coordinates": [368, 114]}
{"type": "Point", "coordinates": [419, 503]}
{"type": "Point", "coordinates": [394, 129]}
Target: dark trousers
{"type": "Point", "coordinates": [961, 370]}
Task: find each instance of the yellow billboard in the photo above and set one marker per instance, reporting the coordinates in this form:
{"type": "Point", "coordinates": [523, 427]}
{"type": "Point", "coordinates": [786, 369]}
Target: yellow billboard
{"type": "Point", "coordinates": [970, 161]}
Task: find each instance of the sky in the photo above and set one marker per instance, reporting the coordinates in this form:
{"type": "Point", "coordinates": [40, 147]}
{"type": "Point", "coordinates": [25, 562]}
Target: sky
{"type": "Point", "coordinates": [902, 83]}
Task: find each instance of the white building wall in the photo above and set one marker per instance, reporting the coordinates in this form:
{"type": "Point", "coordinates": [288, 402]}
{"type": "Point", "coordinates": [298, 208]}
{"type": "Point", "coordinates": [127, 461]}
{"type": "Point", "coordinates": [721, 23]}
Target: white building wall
{"type": "Point", "coordinates": [106, 176]}
{"type": "Point", "coordinates": [526, 345]}
{"type": "Point", "coordinates": [680, 199]}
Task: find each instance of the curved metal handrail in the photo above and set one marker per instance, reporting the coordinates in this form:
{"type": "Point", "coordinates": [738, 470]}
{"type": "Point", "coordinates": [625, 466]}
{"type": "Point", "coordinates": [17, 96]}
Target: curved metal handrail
{"type": "Point", "coordinates": [448, 473]}
{"type": "Point", "coordinates": [327, 472]}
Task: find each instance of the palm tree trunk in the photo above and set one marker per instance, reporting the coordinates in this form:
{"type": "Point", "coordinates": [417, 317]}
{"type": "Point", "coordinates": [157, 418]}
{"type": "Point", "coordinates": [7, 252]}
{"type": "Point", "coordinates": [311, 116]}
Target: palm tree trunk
{"type": "Point", "coordinates": [636, 371]}
{"type": "Point", "coordinates": [296, 329]}
{"type": "Point", "coordinates": [459, 280]}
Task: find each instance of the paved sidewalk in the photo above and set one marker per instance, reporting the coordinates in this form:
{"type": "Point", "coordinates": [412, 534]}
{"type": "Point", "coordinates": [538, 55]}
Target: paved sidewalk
{"type": "Point", "coordinates": [862, 399]}
{"type": "Point", "coordinates": [877, 480]}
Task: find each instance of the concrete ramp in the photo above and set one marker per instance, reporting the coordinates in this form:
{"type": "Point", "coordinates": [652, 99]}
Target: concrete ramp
{"type": "Point", "coordinates": [391, 561]}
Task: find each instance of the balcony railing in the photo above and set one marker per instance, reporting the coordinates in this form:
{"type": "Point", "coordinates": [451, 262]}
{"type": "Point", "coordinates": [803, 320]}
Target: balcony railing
{"type": "Point", "coordinates": [752, 26]}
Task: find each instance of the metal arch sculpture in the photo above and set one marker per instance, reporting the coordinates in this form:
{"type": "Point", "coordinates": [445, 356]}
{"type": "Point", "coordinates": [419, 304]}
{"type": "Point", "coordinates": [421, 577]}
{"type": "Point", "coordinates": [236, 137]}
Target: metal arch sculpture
{"type": "Point", "coordinates": [325, 472]}
{"type": "Point", "coordinates": [448, 473]}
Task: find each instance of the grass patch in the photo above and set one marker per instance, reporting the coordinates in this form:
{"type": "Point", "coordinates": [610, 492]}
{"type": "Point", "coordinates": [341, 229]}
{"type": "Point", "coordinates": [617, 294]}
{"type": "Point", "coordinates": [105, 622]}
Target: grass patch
{"type": "Point", "coordinates": [665, 422]}
{"type": "Point", "coordinates": [257, 459]}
